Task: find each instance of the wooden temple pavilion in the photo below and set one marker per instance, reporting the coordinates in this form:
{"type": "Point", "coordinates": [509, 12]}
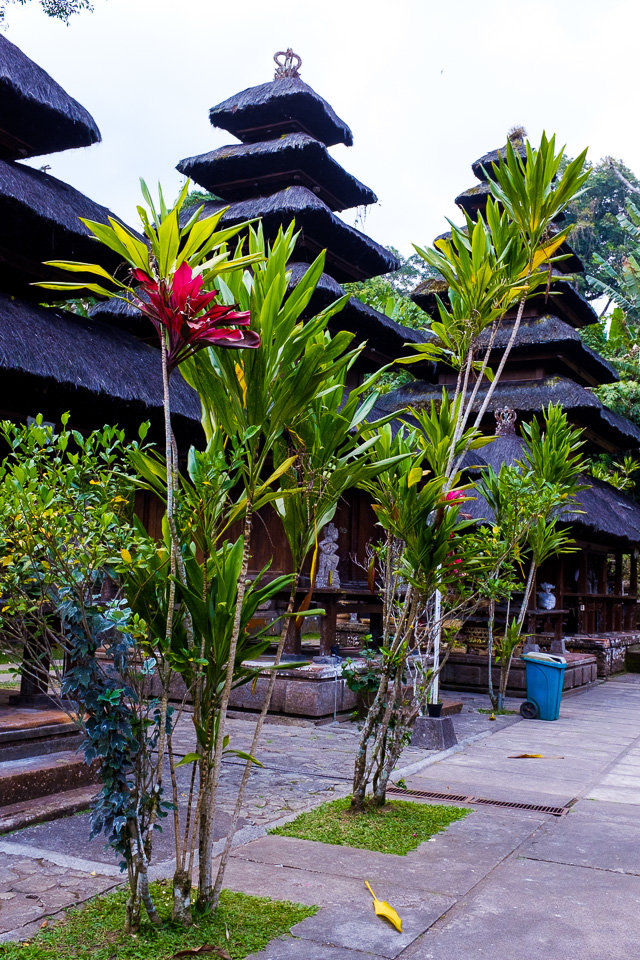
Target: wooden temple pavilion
{"type": "Point", "coordinates": [596, 588]}
{"type": "Point", "coordinates": [54, 360]}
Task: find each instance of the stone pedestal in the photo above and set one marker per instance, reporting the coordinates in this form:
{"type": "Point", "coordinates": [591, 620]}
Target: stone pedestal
{"type": "Point", "coordinates": [433, 733]}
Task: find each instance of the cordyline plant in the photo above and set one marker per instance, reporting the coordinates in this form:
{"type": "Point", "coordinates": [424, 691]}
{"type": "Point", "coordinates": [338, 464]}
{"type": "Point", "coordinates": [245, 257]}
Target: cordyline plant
{"type": "Point", "coordinates": [276, 405]}
{"type": "Point", "coordinates": [173, 270]}
{"type": "Point", "coordinates": [528, 500]}
{"type": "Point", "coordinates": [491, 266]}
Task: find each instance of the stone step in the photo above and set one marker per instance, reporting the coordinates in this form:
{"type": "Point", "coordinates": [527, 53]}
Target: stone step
{"type": "Point", "coordinates": [15, 816]}
{"type": "Point", "coordinates": [41, 776]}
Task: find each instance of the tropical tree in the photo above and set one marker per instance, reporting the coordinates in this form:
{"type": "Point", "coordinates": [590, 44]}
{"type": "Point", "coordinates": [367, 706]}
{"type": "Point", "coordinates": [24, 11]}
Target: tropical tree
{"type": "Point", "coordinates": [490, 267]}
{"type": "Point", "coordinates": [597, 236]}
{"type": "Point", "coordinates": [58, 9]}
{"type": "Point", "coordinates": [65, 525]}
{"type": "Point", "coordinates": [527, 500]}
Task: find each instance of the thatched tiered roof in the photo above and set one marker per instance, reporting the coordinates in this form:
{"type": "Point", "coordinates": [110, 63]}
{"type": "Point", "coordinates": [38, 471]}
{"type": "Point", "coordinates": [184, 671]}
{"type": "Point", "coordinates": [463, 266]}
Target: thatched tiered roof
{"type": "Point", "coordinates": [286, 105]}
{"type": "Point", "coordinates": [385, 337]}
{"type": "Point", "coordinates": [89, 358]}
{"type": "Point", "coordinates": [248, 170]}
{"type": "Point", "coordinates": [39, 220]}
{"type": "Point", "coordinates": [563, 301]}
{"type": "Point", "coordinates": [600, 513]}
{"type": "Point", "coordinates": [36, 115]}
{"type": "Point", "coordinates": [483, 165]}
{"type": "Point", "coordinates": [351, 255]}
{"type": "Point", "coordinates": [604, 430]}
{"type": "Point", "coordinates": [553, 345]}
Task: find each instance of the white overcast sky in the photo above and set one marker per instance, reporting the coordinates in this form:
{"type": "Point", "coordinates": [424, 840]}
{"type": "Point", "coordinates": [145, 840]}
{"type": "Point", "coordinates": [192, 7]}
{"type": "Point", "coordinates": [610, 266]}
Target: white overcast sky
{"type": "Point", "coordinates": [426, 87]}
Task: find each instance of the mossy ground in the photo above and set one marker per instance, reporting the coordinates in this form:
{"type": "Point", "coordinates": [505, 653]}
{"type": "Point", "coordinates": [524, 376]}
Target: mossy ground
{"type": "Point", "coordinates": [398, 827]}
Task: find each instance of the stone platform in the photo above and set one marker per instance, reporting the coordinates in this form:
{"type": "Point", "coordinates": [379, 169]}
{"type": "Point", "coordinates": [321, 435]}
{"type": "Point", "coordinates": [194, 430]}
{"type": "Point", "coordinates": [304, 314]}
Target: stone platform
{"type": "Point", "coordinates": [609, 649]}
{"type": "Point", "coordinates": [468, 671]}
{"type": "Point", "coordinates": [41, 773]}
{"type": "Point", "coordinates": [315, 690]}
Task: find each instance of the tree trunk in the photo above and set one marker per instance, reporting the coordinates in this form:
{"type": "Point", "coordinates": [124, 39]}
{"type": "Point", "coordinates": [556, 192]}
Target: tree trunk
{"type": "Point", "coordinates": [224, 859]}
{"type": "Point", "coordinates": [181, 910]}
{"type": "Point", "coordinates": [490, 626]}
{"type": "Point", "coordinates": [205, 868]}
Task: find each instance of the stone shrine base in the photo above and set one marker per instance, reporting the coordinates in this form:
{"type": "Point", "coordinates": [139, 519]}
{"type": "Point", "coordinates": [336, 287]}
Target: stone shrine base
{"type": "Point", "coordinates": [316, 690]}
{"type": "Point", "coordinates": [609, 649]}
{"type": "Point", "coordinates": [468, 671]}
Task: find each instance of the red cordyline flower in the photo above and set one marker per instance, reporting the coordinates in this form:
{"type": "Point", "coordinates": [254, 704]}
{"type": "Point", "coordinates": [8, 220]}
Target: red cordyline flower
{"type": "Point", "coordinates": [190, 315]}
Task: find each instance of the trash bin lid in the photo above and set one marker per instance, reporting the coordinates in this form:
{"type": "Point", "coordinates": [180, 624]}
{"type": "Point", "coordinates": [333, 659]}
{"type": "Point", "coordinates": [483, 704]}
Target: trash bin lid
{"type": "Point", "coordinates": [544, 657]}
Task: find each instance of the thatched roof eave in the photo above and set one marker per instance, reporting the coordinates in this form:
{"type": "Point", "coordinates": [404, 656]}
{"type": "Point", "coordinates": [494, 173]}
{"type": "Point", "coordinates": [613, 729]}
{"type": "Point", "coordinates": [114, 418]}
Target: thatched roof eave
{"type": "Point", "coordinates": [36, 115]}
{"type": "Point", "coordinates": [84, 353]}
{"type": "Point", "coordinates": [351, 255]}
{"type": "Point", "coordinates": [246, 170]}
{"type": "Point", "coordinates": [286, 105]}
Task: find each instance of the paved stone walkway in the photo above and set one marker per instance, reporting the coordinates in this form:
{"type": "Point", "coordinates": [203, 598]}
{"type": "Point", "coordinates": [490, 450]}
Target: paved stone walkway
{"type": "Point", "coordinates": [304, 765]}
{"type": "Point", "coordinates": [502, 882]}
{"type": "Point", "coordinates": [506, 882]}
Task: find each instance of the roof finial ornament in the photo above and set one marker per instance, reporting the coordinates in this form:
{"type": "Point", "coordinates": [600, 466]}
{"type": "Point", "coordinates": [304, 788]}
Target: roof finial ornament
{"type": "Point", "coordinates": [288, 64]}
{"type": "Point", "coordinates": [505, 421]}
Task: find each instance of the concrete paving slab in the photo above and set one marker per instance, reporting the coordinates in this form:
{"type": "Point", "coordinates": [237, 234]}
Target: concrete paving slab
{"type": "Point", "coordinates": [610, 846]}
{"type": "Point", "coordinates": [604, 810]}
{"type": "Point", "coordinates": [359, 928]}
{"type": "Point", "coordinates": [313, 887]}
{"type": "Point", "coordinates": [528, 910]}
{"type": "Point", "coordinates": [291, 949]}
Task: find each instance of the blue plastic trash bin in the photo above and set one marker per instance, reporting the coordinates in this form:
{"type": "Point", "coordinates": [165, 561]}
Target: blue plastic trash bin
{"type": "Point", "coordinates": [545, 675]}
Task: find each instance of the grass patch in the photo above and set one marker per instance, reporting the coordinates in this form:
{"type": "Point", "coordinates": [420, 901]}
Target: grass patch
{"type": "Point", "coordinates": [94, 931]}
{"type": "Point", "coordinates": [398, 827]}
{"type": "Point", "coordinates": [498, 713]}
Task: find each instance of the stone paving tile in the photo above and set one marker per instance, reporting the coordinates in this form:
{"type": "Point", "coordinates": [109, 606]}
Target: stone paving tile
{"type": "Point", "coordinates": [31, 890]}
{"type": "Point", "coordinates": [291, 949]}
{"type": "Point", "coordinates": [356, 929]}
{"type": "Point", "coordinates": [529, 910]}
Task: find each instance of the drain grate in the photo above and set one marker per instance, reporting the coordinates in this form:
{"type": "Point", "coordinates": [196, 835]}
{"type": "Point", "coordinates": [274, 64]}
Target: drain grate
{"type": "Point", "coordinates": [468, 798]}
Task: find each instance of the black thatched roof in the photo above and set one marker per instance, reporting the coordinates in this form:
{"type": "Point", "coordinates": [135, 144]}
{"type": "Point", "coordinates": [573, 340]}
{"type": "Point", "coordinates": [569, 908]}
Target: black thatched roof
{"type": "Point", "coordinates": [601, 512]}
{"type": "Point", "coordinates": [350, 254]}
{"type": "Point", "coordinates": [604, 430]}
{"type": "Point", "coordinates": [486, 160]}
{"type": "Point", "coordinates": [255, 169]}
{"type": "Point", "coordinates": [563, 300]}
{"type": "Point", "coordinates": [36, 115]}
{"type": "Point", "coordinates": [552, 344]}
{"type": "Point", "coordinates": [66, 349]}
{"type": "Point", "coordinates": [473, 199]}
{"type": "Point", "coordinates": [286, 105]}
{"type": "Point", "coordinates": [39, 220]}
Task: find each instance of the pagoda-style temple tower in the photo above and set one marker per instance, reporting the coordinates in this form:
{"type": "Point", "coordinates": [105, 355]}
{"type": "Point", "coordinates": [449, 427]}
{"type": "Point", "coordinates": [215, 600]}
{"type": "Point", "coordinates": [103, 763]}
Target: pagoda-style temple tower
{"type": "Point", "coordinates": [596, 587]}
{"type": "Point", "coordinates": [57, 360]}
{"type": "Point", "coordinates": [282, 171]}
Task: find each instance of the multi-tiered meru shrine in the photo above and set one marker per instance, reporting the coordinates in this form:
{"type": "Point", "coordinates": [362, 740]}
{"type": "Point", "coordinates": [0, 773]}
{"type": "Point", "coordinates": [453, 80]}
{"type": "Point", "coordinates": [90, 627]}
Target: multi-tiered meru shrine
{"type": "Point", "coordinates": [57, 360]}
{"type": "Point", "coordinates": [282, 171]}
{"type": "Point", "coordinates": [596, 588]}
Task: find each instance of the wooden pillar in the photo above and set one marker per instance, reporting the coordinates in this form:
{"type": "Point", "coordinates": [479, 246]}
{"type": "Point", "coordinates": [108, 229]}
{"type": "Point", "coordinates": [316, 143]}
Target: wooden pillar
{"type": "Point", "coordinates": [328, 623]}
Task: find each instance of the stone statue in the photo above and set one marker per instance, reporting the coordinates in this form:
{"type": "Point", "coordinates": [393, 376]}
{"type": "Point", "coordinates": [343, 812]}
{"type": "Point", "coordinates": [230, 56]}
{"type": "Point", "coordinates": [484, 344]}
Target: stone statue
{"type": "Point", "coordinates": [546, 597]}
{"type": "Point", "coordinates": [328, 575]}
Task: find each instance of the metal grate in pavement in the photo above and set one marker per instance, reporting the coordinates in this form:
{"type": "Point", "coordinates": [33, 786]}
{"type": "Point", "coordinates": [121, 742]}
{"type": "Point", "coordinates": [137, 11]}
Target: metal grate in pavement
{"type": "Point", "coordinates": [467, 798]}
